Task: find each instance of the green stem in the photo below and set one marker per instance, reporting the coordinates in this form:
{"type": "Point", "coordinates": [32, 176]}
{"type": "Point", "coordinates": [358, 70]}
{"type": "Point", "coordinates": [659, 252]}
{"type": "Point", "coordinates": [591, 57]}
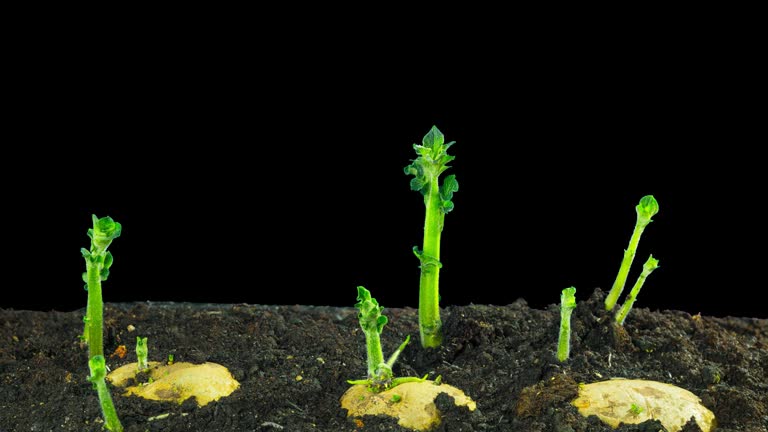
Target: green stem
{"type": "Point", "coordinates": [375, 354]}
{"type": "Point", "coordinates": [95, 310]}
{"type": "Point", "coordinates": [98, 371]}
{"type": "Point", "coordinates": [567, 305]}
{"type": "Point", "coordinates": [651, 265]}
{"type": "Point", "coordinates": [429, 308]}
{"type": "Point", "coordinates": [626, 263]}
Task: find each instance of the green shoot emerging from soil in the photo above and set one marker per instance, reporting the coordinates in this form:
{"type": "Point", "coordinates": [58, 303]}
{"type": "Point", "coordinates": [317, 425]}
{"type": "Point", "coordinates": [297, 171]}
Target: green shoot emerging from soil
{"type": "Point", "coordinates": [141, 352]}
{"type": "Point", "coordinates": [432, 161]}
{"type": "Point", "coordinates": [567, 305]}
{"type": "Point", "coordinates": [646, 209]}
{"type": "Point", "coordinates": [372, 322]}
{"type": "Point", "coordinates": [649, 266]}
{"type": "Point", "coordinates": [98, 372]}
{"type": "Point", "coordinates": [97, 263]}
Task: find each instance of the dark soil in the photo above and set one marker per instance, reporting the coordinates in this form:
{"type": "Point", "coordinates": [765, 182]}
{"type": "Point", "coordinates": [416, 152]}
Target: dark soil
{"type": "Point", "coordinates": [293, 363]}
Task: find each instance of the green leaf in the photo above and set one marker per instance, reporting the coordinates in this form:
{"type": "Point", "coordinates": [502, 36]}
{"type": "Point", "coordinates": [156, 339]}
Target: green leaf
{"type": "Point", "coordinates": [647, 208]}
{"type": "Point", "coordinates": [380, 322]}
{"type": "Point", "coordinates": [85, 278]}
{"type": "Point", "coordinates": [447, 206]}
{"type": "Point", "coordinates": [86, 253]}
{"type": "Point", "coordinates": [449, 186]}
{"type": "Point", "coordinates": [108, 260]}
{"type": "Point", "coordinates": [370, 312]}
{"type": "Point", "coordinates": [417, 252]}
{"type": "Point", "coordinates": [104, 274]}
{"type": "Point", "coordinates": [568, 298]}
{"type": "Point", "coordinates": [104, 231]}
{"type": "Point", "coordinates": [434, 139]}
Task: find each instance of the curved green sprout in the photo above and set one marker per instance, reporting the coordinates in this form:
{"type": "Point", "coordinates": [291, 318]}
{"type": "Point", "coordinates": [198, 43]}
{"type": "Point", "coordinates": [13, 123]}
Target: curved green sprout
{"type": "Point", "coordinates": [98, 373]}
{"type": "Point", "coordinates": [380, 376]}
{"type": "Point", "coordinates": [432, 161]}
{"type": "Point", "coordinates": [567, 305]}
{"type": "Point", "coordinates": [646, 209]}
{"type": "Point", "coordinates": [649, 266]}
{"type": "Point", "coordinates": [141, 352]}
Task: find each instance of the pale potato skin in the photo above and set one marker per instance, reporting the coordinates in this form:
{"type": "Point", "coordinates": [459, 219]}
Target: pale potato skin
{"type": "Point", "coordinates": [415, 408]}
{"type": "Point", "coordinates": [178, 382]}
{"type": "Point", "coordinates": [612, 402]}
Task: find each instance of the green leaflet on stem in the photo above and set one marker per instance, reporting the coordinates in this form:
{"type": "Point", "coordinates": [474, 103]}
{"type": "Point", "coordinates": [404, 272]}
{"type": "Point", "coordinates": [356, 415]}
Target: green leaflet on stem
{"type": "Point", "coordinates": [567, 305]}
{"type": "Point", "coordinates": [432, 160]}
{"type": "Point", "coordinates": [648, 268]}
{"type": "Point", "coordinates": [646, 209]}
{"type": "Point", "coordinates": [380, 376]}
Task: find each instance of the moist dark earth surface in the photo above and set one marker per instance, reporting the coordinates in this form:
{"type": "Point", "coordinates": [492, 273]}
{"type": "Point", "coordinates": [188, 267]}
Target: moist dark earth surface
{"type": "Point", "coordinates": [293, 362]}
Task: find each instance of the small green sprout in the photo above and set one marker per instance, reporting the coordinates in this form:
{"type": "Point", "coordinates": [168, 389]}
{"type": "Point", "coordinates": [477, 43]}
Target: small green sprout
{"type": "Point", "coordinates": [97, 263]}
{"type": "Point", "coordinates": [380, 375]}
{"type": "Point", "coordinates": [396, 398]}
{"type": "Point", "coordinates": [567, 305]}
{"type": "Point", "coordinates": [649, 266]}
{"type": "Point", "coordinates": [170, 359]}
{"type": "Point", "coordinates": [635, 409]}
{"type": "Point", "coordinates": [141, 352]}
{"type": "Point", "coordinates": [98, 373]}
{"type": "Point", "coordinates": [646, 209]}
{"type": "Point", "coordinates": [432, 161]}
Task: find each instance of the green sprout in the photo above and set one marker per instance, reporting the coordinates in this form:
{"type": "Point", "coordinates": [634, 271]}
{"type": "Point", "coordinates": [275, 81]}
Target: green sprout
{"type": "Point", "coordinates": [646, 209]}
{"type": "Point", "coordinates": [432, 161]}
{"type": "Point", "coordinates": [141, 352]}
{"type": "Point", "coordinates": [649, 266]}
{"type": "Point", "coordinates": [567, 305]}
{"type": "Point", "coordinates": [635, 409]}
{"type": "Point", "coordinates": [98, 372]}
{"type": "Point", "coordinates": [380, 375]}
{"type": "Point", "coordinates": [97, 263]}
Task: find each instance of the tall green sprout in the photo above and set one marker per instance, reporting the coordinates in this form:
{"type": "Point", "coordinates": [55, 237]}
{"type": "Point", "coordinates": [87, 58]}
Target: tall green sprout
{"type": "Point", "coordinates": [97, 263]}
{"type": "Point", "coordinates": [432, 161]}
{"type": "Point", "coordinates": [646, 209]}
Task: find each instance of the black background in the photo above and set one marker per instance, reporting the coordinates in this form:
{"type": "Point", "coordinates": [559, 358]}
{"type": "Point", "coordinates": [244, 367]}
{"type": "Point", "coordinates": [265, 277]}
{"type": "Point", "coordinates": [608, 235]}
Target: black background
{"type": "Point", "coordinates": [271, 186]}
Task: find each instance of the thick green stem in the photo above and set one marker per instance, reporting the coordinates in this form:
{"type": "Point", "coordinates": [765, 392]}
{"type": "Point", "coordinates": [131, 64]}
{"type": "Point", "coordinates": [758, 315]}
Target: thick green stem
{"type": "Point", "coordinates": [98, 372]}
{"type": "Point", "coordinates": [375, 354]}
{"type": "Point", "coordinates": [651, 265]}
{"type": "Point", "coordinates": [95, 311]}
{"type": "Point", "coordinates": [429, 307]}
